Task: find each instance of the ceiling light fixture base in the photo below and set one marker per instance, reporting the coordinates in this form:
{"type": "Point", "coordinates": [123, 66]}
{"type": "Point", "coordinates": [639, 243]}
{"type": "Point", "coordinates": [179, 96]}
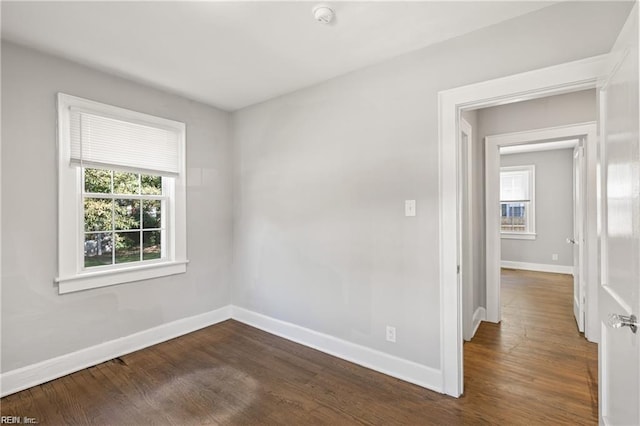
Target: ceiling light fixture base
{"type": "Point", "coordinates": [323, 14]}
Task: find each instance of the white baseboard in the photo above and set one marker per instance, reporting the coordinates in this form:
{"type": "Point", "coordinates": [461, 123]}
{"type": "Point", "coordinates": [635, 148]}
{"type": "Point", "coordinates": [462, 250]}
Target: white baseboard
{"type": "Point", "coordinates": [42, 372]}
{"type": "Point", "coordinates": [35, 374]}
{"type": "Point", "coordinates": [478, 316]}
{"type": "Point", "coordinates": [390, 365]}
{"type": "Point", "coordinates": [539, 267]}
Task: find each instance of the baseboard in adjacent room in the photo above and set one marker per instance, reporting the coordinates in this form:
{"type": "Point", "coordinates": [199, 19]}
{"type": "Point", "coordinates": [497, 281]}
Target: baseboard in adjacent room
{"type": "Point", "coordinates": [539, 267]}
{"type": "Point", "coordinates": [390, 365]}
{"type": "Point", "coordinates": [35, 374]}
{"type": "Point", "coordinates": [478, 316]}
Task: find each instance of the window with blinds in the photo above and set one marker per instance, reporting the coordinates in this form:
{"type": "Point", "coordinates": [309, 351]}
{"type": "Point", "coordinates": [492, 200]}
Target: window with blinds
{"type": "Point", "coordinates": [118, 144]}
{"type": "Point", "coordinates": [122, 195]}
{"type": "Point", "coordinates": [516, 199]}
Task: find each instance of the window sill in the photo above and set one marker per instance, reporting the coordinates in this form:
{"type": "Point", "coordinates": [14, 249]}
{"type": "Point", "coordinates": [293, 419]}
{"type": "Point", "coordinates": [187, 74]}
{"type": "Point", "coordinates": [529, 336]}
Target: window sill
{"type": "Point", "coordinates": [89, 280]}
{"type": "Point", "coordinates": [518, 235]}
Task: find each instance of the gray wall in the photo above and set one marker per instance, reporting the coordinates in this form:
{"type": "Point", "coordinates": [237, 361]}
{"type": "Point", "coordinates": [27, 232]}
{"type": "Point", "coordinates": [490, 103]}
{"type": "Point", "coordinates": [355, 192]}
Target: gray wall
{"type": "Point", "coordinates": [577, 107]}
{"type": "Point", "coordinates": [37, 323]}
{"type": "Point", "coordinates": [553, 209]}
{"type": "Point", "coordinates": [321, 176]}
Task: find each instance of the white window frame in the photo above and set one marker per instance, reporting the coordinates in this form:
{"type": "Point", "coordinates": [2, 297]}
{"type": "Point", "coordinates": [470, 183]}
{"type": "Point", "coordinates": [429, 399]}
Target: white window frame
{"type": "Point", "coordinates": [530, 233]}
{"type": "Point", "coordinates": [72, 276]}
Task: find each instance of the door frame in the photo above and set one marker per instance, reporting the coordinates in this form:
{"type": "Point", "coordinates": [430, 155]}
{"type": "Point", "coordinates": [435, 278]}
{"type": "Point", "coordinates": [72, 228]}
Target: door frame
{"type": "Point", "coordinates": [555, 80]}
{"type": "Point", "coordinates": [580, 306]}
{"type": "Point", "coordinates": [587, 134]}
{"type": "Point", "coordinates": [466, 224]}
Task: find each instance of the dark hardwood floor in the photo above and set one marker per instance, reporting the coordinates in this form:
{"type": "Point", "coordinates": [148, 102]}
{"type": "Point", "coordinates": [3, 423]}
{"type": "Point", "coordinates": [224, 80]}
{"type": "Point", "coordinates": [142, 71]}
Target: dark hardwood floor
{"type": "Point", "coordinates": [533, 368]}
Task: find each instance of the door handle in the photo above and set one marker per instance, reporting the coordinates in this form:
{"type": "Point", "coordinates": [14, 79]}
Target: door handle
{"type": "Point", "coordinates": [571, 241]}
{"type": "Point", "coordinates": [619, 321]}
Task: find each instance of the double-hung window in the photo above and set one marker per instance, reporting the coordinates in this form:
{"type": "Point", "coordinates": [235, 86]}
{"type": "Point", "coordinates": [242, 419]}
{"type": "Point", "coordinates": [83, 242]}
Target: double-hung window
{"type": "Point", "coordinates": [121, 182]}
{"type": "Point", "coordinates": [517, 207]}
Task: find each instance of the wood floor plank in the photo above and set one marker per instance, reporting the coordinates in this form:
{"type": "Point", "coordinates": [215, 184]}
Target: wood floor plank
{"type": "Point", "coordinates": [532, 368]}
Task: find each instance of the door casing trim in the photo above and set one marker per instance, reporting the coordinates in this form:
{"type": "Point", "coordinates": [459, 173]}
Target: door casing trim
{"type": "Point", "coordinates": [587, 133]}
{"type": "Point", "coordinates": [569, 77]}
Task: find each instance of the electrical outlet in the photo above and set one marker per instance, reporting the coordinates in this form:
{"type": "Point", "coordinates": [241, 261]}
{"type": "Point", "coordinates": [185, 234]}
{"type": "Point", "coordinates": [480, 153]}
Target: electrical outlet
{"type": "Point", "coordinates": [391, 334]}
{"type": "Point", "coordinates": [554, 256]}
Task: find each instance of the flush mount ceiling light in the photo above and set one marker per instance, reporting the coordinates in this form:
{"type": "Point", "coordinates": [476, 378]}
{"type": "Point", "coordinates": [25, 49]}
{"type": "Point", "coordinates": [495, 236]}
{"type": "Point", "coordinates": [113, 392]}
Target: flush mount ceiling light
{"type": "Point", "coordinates": [323, 14]}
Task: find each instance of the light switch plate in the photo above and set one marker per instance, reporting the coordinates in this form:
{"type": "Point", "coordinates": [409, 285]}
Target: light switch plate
{"type": "Point", "coordinates": [410, 207]}
{"type": "Point", "coordinates": [391, 334]}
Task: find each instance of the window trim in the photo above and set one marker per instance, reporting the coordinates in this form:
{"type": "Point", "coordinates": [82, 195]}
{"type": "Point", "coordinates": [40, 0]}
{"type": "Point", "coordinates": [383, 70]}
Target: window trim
{"type": "Point", "coordinates": [71, 273]}
{"type": "Point", "coordinates": [510, 235]}
{"type": "Point", "coordinates": [530, 233]}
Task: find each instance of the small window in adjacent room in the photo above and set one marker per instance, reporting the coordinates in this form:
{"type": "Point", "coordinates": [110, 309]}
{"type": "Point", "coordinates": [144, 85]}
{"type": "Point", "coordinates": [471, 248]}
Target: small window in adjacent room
{"type": "Point", "coordinates": [121, 193]}
{"type": "Point", "coordinates": [517, 207]}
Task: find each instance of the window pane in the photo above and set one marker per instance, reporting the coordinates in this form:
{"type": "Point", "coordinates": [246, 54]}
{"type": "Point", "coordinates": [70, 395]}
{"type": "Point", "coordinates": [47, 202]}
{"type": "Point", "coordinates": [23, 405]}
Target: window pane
{"type": "Point", "coordinates": [514, 217]}
{"type": "Point", "coordinates": [127, 214]}
{"type": "Point", "coordinates": [98, 213]}
{"type": "Point", "coordinates": [151, 185]}
{"type": "Point", "coordinates": [151, 214]}
{"type": "Point", "coordinates": [97, 181]}
{"type": "Point", "coordinates": [151, 242]}
{"type": "Point", "coordinates": [125, 183]}
{"type": "Point", "coordinates": [97, 249]}
{"type": "Point", "coordinates": [127, 247]}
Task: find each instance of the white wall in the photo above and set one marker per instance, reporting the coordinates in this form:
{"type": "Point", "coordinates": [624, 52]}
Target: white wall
{"type": "Point", "coordinates": [553, 209]}
{"type": "Point", "coordinates": [37, 323]}
{"type": "Point", "coordinates": [321, 176]}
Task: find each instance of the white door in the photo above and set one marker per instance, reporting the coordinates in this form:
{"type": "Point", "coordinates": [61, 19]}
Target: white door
{"type": "Point", "coordinates": [578, 237]}
{"type": "Point", "coordinates": [620, 235]}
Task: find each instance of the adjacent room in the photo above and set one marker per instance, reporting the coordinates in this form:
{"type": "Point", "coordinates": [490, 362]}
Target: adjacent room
{"type": "Point", "coordinates": [290, 212]}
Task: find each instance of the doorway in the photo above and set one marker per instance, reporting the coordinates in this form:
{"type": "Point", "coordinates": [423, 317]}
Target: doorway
{"type": "Point", "coordinates": [583, 137]}
{"type": "Point", "coordinates": [616, 76]}
{"type": "Point", "coordinates": [574, 76]}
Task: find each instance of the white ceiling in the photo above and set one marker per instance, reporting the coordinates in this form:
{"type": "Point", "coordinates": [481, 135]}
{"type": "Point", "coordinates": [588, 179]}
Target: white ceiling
{"type": "Point", "coordinates": [234, 54]}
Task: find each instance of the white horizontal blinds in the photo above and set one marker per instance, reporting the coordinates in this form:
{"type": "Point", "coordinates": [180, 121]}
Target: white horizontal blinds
{"type": "Point", "coordinates": [514, 186]}
{"type": "Point", "coordinates": [106, 142]}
